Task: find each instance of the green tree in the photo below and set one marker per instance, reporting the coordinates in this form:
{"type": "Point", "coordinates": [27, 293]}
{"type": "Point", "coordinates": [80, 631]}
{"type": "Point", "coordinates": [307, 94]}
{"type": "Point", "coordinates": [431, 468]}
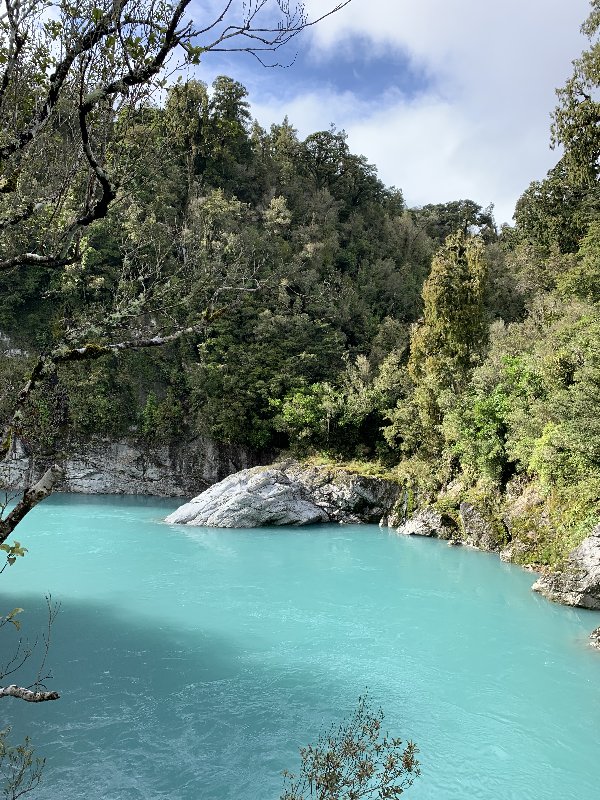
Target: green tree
{"type": "Point", "coordinates": [226, 145]}
{"type": "Point", "coordinates": [186, 122]}
{"type": "Point", "coordinates": [576, 119]}
{"type": "Point", "coordinates": [553, 213]}
{"type": "Point", "coordinates": [447, 345]}
{"type": "Point", "coordinates": [20, 769]}
{"type": "Point", "coordinates": [582, 279]}
{"type": "Point", "coordinates": [440, 220]}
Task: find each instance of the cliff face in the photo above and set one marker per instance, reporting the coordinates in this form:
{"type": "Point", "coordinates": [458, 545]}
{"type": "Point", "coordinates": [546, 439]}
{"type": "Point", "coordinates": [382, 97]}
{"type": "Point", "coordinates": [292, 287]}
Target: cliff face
{"type": "Point", "coordinates": [108, 467]}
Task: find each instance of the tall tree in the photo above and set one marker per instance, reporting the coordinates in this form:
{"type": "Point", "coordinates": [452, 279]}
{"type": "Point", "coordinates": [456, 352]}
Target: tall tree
{"type": "Point", "coordinates": [552, 214]}
{"type": "Point", "coordinates": [226, 140]}
{"type": "Point", "coordinates": [445, 346]}
{"type": "Point", "coordinates": [440, 220]}
{"type": "Point", "coordinates": [576, 119]}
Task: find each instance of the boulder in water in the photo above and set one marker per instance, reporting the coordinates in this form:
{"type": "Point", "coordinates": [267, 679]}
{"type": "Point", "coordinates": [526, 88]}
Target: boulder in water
{"type": "Point", "coordinates": [288, 493]}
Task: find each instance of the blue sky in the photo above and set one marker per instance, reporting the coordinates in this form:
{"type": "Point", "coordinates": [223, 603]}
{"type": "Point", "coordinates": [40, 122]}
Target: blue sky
{"type": "Point", "coordinates": [450, 99]}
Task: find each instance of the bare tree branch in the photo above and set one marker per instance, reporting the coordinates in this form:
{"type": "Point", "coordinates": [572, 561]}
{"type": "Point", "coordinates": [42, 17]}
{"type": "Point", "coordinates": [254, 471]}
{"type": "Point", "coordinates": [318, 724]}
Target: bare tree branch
{"type": "Point", "coordinates": [143, 74]}
{"type": "Point", "coordinates": [108, 191]}
{"type": "Point", "coordinates": [27, 694]}
{"type": "Point", "coordinates": [16, 43]}
{"type": "Point", "coordinates": [31, 259]}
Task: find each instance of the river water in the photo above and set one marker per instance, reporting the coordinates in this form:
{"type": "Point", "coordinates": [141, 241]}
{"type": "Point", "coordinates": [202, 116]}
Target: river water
{"type": "Point", "coordinates": [193, 663]}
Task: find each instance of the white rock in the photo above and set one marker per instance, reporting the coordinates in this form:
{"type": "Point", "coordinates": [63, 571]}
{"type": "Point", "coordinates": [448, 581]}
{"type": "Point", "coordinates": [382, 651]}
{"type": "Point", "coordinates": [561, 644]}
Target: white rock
{"type": "Point", "coordinates": [250, 499]}
{"type": "Point", "coordinates": [288, 494]}
{"type": "Point", "coordinates": [427, 522]}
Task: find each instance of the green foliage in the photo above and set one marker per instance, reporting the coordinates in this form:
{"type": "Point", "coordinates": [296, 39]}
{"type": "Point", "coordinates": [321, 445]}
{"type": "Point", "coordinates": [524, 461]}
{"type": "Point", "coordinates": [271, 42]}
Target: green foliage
{"type": "Point", "coordinates": [444, 348]}
{"type": "Point", "coordinates": [582, 280]}
{"type": "Point", "coordinates": [43, 416]}
{"type": "Point", "coordinates": [161, 421]}
{"type": "Point", "coordinates": [475, 431]}
{"type": "Point", "coordinates": [445, 219]}
{"type": "Point", "coordinates": [345, 418]}
{"type": "Point", "coordinates": [20, 769]}
{"type": "Point", "coordinates": [544, 533]}
{"type": "Point", "coordinates": [307, 414]}
{"type": "Point", "coordinates": [98, 403]}
{"type": "Point", "coordinates": [13, 551]}
{"type": "Point", "coordinates": [309, 269]}
{"type": "Point", "coordinates": [225, 148]}
{"type": "Point", "coordinates": [555, 434]}
{"type": "Point", "coordinates": [575, 119]}
{"type": "Point", "coordinates": [354, 760]}
{"type": "Point", "coordinates": [251, 361]}
{"type": "Point", "coordinates": [453, 332]}
{"type": "Point", "coordinates": [532, 405]}
{"type": "Point", "coordinates": [553, 213]}
{"type": "Point", "coordinates": [149, 416]}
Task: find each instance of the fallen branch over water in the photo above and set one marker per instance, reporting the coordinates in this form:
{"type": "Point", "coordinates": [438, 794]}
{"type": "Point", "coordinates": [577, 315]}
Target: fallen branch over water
{"type": "Point", "coordinates": [27, 694]}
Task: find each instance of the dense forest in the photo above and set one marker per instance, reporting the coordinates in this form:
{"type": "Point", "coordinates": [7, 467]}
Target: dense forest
{"type": "Point", "coordinates": [303, 307]}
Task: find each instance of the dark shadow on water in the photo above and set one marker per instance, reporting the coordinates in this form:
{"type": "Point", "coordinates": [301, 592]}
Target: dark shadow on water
{"type": "Point", "coordinates": [152, 712]}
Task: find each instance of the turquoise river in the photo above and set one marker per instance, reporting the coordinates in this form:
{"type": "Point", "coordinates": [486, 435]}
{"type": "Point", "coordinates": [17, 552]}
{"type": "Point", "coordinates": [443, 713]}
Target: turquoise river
{"type": "Point", "coordinates": [194, 662]}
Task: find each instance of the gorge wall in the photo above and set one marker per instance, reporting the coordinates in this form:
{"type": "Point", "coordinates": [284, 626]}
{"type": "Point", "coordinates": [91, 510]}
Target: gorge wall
{"type": "Point", "coordinates": [122, 467]}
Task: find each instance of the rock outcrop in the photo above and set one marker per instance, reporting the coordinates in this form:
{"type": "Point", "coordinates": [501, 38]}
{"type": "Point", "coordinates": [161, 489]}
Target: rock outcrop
{"type": "Point", "coordinates": [595, 638]}
{"type": "Point", "coordinates": [108, 467]}
{"type": "Point", "coordinates": [579, 583]}
{"type": "Point", "coordinates": [428, 522]}
{"type": "Point", "coordinates": [288, 493]}
{"type": "Point", "coordinates": [479, 531]}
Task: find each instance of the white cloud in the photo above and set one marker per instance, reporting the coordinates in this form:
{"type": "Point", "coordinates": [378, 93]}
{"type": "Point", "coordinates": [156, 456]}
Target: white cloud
{"type": "Point", "coordinates": [482, 128]}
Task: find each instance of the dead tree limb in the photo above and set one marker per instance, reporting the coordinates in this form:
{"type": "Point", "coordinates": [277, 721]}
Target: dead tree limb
{"type": "Point", "coordinates": [28, 695]}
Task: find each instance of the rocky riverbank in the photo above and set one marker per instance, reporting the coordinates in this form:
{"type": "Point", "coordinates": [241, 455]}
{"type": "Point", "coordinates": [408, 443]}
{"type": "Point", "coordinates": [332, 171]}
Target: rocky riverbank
{"type": "Point", "coordinates": [578, 584]}
{"type": "Point", "coordinates": [510, 526]}
{"type": "Point", "coordinates": [289, 493]}
{"type": "Point", "coordinates": [240, 492]}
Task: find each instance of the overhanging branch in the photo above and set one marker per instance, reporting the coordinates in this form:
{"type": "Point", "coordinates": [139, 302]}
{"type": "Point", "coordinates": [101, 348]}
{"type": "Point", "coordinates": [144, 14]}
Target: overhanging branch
{"type": "Point", "coordinates": [31, 497]}
{"type": "Point", "coordinates": [27, 694]}
{"type": "Point", "coordinates": [35, 259]}
{"type": "Point", "coordinates": [104, 27]}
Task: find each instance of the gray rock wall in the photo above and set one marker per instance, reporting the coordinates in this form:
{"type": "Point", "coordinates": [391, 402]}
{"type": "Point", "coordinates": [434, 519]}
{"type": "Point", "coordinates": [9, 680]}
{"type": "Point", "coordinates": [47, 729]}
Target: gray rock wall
{"type": "Point", "coordinates": [107, 467]}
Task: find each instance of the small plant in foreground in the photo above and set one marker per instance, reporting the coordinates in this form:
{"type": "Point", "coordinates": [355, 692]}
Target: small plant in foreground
{"type": "Point", "coordinates": [355, 760]}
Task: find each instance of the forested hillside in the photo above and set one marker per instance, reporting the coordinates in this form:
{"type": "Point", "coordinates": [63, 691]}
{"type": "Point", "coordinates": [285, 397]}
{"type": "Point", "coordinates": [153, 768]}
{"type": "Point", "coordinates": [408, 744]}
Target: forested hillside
{"type": "Point", "coordinates": [315, 268]}
{"type": "Point", "coordinates": [337, 322]}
